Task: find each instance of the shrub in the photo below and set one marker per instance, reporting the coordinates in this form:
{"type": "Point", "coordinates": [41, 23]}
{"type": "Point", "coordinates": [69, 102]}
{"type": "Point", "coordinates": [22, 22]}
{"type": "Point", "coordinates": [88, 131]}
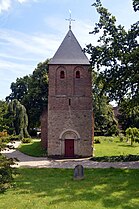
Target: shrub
{"type": "Point", "coordinates": [132, 134]}
{"type": "Point", "coordinates": [112, 130]}
{"type": "Point", "coordinates": [6, 171]}
{"type": "Point", "coordinates": [137, 140]}
{"type": "Point", "coordinates": [14, 138]}
{"type": "Point", "coordinates": [3, 134]}
{"type": "Point", "coordinates": [120, 158]}
{"type": "Point", "coordinates": [121, 137]}
{"type": "Point", "coordinates": [6, 139]}
{"type": "Point", "coordinates": [96, 141]}
{"type": "Point", "coordinates": [26, 140]}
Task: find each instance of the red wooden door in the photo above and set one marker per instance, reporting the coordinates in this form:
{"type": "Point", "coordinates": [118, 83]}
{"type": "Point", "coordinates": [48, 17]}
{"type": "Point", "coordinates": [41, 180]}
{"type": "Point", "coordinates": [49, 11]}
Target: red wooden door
{"type": "Point", "coordinates": [69, 147]}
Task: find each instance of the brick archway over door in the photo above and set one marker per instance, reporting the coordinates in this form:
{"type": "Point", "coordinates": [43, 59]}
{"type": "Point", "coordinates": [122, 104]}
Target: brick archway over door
{"type": "Point", "coordinates": [70, 140]}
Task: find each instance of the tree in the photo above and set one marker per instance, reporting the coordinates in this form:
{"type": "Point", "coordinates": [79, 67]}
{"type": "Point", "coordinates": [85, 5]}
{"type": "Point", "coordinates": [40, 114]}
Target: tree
{"type": "Point", "coordinates": [37, 98]}
{"type": "Point", "coordinates": [128, 114]}
{"type": "Point", "coordinates": [6, 171]}
{"type": "Point", "coordinates": [136, 5]}
{"type": "Point", "coordinates": [3, 111]}
{"type": "Point", "coordinates": [19, 118]}
{"type": "Point", "coordinates": [32, 92]}
{"type": "Point", "coordinates": [105, 122]}
{"type": "Point", "coordinates": [132, 134]}
{"type": "Point", "coordinates": [19, 89]}
{"type": "Point", "coordinates": [117, 54]}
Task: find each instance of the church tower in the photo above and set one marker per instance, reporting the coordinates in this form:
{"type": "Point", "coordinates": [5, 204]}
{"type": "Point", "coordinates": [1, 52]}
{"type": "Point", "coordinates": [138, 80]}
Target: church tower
{"type": "Point", "coordinates": [70, 101]}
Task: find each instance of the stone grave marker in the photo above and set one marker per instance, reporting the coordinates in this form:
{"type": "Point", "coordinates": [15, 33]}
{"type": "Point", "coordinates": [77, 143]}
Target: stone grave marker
{"type": "Point", "coordinates": [78, 172]}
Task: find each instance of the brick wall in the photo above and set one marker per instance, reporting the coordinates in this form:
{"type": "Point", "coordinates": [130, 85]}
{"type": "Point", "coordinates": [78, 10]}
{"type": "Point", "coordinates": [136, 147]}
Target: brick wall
{"type": "Point", "coordinates": [70, 108]}
{"type": "Point", "coordinates": [44, 128]}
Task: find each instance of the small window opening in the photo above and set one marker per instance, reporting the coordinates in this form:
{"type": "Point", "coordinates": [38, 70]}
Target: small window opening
{"type": "Point", "coordinates": [69, 102]}
{"type": "Point", "coordinates": [77, 74]}
{"type": "Point", "coordinates": [62, 74]}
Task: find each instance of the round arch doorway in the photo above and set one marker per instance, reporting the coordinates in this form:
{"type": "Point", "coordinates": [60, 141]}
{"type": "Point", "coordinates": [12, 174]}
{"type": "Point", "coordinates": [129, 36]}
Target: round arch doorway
{"type": "Point", "coordinates": [70, 139]}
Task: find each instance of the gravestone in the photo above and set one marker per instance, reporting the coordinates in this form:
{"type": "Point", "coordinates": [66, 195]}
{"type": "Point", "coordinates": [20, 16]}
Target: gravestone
{"type": "Point", "coordinates": [78, 172]}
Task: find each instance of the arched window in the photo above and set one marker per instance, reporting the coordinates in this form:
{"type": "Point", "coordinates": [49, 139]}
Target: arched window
{"type": "Point", "coordinates": [78, 74]}
{"type": "Point", "coordinates": [79, 81]}
{"type": "Point", "coordinates": [61, 81]}
{"type": "Point", "coordinates": [62, 74]}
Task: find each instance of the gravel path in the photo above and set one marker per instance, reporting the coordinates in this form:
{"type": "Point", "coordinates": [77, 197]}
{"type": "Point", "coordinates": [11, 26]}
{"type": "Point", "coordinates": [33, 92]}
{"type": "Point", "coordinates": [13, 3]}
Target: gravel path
{"type": "Point", "coordinates": [44, 162]}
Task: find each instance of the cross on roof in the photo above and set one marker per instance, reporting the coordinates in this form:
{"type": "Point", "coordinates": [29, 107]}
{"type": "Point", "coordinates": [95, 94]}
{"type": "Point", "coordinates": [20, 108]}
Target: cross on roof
{"type": "Point", "coordinates": [70, 20]}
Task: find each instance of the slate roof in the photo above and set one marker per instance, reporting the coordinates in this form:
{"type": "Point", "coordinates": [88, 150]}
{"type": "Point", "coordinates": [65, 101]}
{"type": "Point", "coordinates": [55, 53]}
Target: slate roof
{"type": "Point", "coordinates": [69, 52]}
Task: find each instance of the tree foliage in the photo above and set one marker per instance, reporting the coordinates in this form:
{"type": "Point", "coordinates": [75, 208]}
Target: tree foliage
{"type": "Point", "coordinates": [132, 134]}
{"type": "Point", "coordinates": [3, 111]}
{"type": "Point", "coordinates": [19, 119]}
{"type": "Point", "coordinates": [19, 89]}
{"type": "Point", "coordinates": [116, 56]}
{"type": "Point", "coordinates": [37, 97]}
{"type": "Point", "coordinates": [105, 122]}
{"type": "Point", "coordinates": [32, 92]}
{"type": "Point", "coordinates": [6, 171]}
{"type": "Point", "coordinates": [128, 114]}
{"type": "Point", "coordinates": [136, 5]}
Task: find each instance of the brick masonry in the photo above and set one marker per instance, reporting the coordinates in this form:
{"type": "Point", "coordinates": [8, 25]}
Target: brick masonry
{"type": "Point", "coordinates": [69, 110]}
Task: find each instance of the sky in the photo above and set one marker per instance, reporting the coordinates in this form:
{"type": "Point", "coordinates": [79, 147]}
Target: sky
{"type": "Point", "coordinates": [32, 30]}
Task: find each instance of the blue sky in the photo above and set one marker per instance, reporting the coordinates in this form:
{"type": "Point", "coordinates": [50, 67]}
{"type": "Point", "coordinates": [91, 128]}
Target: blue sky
{"type": "Point", "coordinates": [32, 30]}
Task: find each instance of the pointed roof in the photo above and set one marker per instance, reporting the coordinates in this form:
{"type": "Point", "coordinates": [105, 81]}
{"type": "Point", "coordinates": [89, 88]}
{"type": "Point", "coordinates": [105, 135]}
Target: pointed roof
{"type": "Point", "coordinates": [69, 52]}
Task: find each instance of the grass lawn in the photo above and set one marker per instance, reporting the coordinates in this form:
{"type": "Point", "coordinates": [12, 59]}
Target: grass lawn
{"type": "Point", "coordinates": [111, 146]}
{"type": "Point", "coordinates": [54, 188]}
{"type": "Point", "coordinates": [33, 149]}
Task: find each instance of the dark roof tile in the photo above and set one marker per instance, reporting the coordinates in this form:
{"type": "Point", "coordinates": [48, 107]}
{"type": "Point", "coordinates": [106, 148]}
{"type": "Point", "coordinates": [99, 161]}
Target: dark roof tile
{"type": "Point", "coordinates": [69, 52]}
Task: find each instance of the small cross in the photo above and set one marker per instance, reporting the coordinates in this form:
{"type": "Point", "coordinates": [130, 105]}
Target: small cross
{"type": "Point", "coordinates": [70, 20]}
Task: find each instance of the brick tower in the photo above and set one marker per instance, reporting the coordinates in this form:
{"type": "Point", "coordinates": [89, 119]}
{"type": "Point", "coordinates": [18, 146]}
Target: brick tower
{"type": "Point", "coordinates": [69, 101]}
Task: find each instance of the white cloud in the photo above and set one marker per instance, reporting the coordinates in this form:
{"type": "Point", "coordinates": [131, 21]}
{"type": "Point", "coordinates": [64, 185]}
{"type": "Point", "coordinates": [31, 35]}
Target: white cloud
{"type": "Point", "coordinates": [20, 53]}
{"type": "Point", "coordinates": [22, 1]}
{"type": "Point", "coordinates": [80, 28]}
{"type": "Point", "coordinates": [22, 45]}
{"type": "Point", "coordinates": [9, 56]}
{"type": "Point", "coordinates": [19, 69]}
{"type": "Point", "coordinates": [5, 5]}
{"type": "Point", "coordinates": [9, 71]}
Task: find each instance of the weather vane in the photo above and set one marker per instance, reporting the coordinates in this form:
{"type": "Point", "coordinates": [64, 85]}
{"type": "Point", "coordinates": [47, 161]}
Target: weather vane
{"type": "Point", "coordinates": [70, 20]}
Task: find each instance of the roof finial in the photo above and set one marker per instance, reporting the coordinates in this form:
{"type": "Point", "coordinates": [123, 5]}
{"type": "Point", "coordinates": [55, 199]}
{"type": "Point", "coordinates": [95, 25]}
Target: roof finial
{"type": "Point", "coordinates": [70, 20]}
